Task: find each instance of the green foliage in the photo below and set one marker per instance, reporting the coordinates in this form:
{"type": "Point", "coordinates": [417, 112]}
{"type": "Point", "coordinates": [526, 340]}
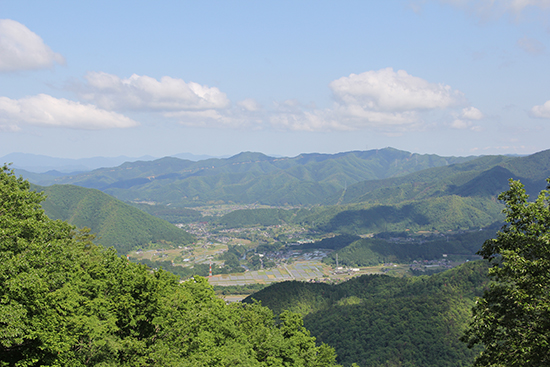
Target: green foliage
{"type": "Point", "coordinates": [377, 320]}
{"type": "Point", "coordinates": [231, 259]}
{"type": "Point", "coordinates": [180, 271]}
{"type": "Point", "coordinates": [116, 224]}
{"type": "Point", "coordinates": [442, 214]}
{"type": "Point", "coordinates": [512, 320]}
{"type": "Point", "coordinates": [375, 251]}
{"type": "Point", "coordinates": [67, 302]}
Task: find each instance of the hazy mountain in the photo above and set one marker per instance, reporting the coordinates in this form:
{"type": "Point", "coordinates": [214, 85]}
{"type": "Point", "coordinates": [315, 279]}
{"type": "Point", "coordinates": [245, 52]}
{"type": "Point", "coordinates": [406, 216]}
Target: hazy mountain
{"type": "Point", "coordinates": [195, 157]}
{"type": "Point", "coordinates": [41, 163]}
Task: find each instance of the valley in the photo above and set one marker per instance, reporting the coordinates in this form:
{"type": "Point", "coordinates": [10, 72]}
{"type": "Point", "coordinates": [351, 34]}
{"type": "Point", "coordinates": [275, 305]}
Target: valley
{"type": "Point", "coordinates": [376, 250]}
{"type": "Point", "coordinates": [302, 255]}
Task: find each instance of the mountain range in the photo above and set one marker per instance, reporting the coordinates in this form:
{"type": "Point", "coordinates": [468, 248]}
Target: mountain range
{"type": "Point", "coordinates": [356, 193]}
{"type": "Point", "coordinates": [36, 163]}
{"type": "Point", "coordinates": [249, 177]}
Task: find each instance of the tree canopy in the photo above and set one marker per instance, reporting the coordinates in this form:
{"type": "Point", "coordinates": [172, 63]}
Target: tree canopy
{"type": "Point", "coordinates": [65, 301]}
{"type": "Point", "coordinates": [512, 320]}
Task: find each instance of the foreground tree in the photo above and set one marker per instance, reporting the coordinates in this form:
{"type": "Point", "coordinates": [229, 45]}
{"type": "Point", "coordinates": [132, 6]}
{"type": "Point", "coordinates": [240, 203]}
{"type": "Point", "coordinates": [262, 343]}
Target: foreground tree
{"type": "Point", "coordinates": [67, 302]}
{"type": "Point", "coordinates": [512, 320]}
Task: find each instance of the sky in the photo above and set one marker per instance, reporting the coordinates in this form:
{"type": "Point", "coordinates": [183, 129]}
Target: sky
{"type": "Point", "coordinates": [89, 78]}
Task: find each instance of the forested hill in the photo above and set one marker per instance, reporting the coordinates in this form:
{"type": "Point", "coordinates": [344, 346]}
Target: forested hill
{"type": "Point", "coordinates": [68, 302]}
{"type": "Point", "coordinates": [115, 223]}
{"type": "Point", "coordinates": [483, 177]}
{"type": "Point", "coordinates": [377, 320]}
{"type": "Point", "coordinates": [250, 177]}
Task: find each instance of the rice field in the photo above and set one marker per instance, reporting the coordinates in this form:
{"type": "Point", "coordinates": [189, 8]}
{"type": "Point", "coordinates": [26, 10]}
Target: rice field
{"type": "Point", "coordinates": [302, 271]}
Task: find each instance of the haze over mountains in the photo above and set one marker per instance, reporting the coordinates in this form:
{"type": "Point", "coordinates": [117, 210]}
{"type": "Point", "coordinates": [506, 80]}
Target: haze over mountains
{"type": "Point", "coordinates": [36, 163]}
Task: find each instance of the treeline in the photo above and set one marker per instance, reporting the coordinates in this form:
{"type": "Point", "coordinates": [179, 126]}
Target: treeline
{"type": "Point", "coordinates": [377, 320]}
{"type": "Point", "coordinates": [331, 243]}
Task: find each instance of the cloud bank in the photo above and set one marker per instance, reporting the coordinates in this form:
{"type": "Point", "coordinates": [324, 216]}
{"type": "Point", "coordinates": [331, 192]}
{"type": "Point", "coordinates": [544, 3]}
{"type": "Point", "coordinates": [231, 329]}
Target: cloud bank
{"type": "Point", "coordinates": [21, 49]}
{"type": "Point", "coordinates": [384, 100]}
{"type": "Point", "coordinates": [145, 93]}
{"type": "Point", "coordinates": [45, 110]}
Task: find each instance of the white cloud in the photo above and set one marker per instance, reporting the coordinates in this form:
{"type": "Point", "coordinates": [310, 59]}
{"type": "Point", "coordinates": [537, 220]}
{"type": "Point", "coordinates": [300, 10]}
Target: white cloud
{"type": "Point", "coordinates": [385, 100]}
{"type": "Point", "coordinates": [531, 46]}
{"type": "Point", "coordinates": [465, 117]}
{"type": "Point", "coordinates": [291, 115]}
{"type": "Point", "coordinates": [461, 124]}
{"type": "Point", "coordinates": [541, 111]}
{"type": "Point", "coordinates": [471, 113]}
{"type": "Point", "coordinates": [145, 93]}
{"type": "Point", "coordinates": [303, 120]}
{"type": "Point", "coordinates": [390, 91]}
{"type": "Point", "coordinates": [250, 104]}
{"type": "Point", "coordinates": [517, 6]}
{"type": "Point", "coordinates": [45, 110]}
{"type": "Point", "coordinates": [22, 49]}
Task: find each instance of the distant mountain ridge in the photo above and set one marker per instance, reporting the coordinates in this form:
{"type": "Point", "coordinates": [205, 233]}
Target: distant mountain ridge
{"type": "Point", "coordinates": [251, 177]}
{"type": "Point", "coordinates": [40, 163]}
{"type": "Point", "coordinates": [482, 177]}
{"type": "Point", "coordinates": [37, 163]}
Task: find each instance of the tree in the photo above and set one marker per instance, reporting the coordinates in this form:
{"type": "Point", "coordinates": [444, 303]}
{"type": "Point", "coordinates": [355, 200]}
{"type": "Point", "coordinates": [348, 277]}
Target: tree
{"type": "Point", "coordinates": [67, 302]}
{"type": "Point", "coordinates": [512, 320]}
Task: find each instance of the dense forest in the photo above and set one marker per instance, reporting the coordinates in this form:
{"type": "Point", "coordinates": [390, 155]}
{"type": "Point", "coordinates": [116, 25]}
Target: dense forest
{"type": "Point", "coordinates": [378, 320]}
{"type": "Point", "coordinates": [115, 223]}
{"type": "Point", "coordinates": [68, 302]}
{"type": "Point", "coordinates": [356, 252]}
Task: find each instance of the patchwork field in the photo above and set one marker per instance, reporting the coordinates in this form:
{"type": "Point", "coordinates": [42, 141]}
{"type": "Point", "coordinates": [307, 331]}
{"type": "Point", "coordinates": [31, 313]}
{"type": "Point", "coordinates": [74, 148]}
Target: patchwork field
{"type": "Point", "coordinates": [298, 271]}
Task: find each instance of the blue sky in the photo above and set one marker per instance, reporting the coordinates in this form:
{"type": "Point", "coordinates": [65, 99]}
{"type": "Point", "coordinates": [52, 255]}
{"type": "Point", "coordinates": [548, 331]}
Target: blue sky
{"type": "Point", "coordinates": [107, 78]}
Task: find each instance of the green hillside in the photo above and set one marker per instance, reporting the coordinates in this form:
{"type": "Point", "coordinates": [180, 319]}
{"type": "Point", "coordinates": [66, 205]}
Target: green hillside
{"type": "Point", "coordinates": [116, 224]}
{"type": "Point", "coordinates": [377, 320]}
{"type": "Point", "coordinates": [68, 302]}
{"type": "Point", "coordinates": [251, 177]}
{"type": "Point", "coordinates": [440, 213]}
{"type": "Point", "coordinates": [402, 248]}
{"type": "Point", "coordinates": [482, 177]}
